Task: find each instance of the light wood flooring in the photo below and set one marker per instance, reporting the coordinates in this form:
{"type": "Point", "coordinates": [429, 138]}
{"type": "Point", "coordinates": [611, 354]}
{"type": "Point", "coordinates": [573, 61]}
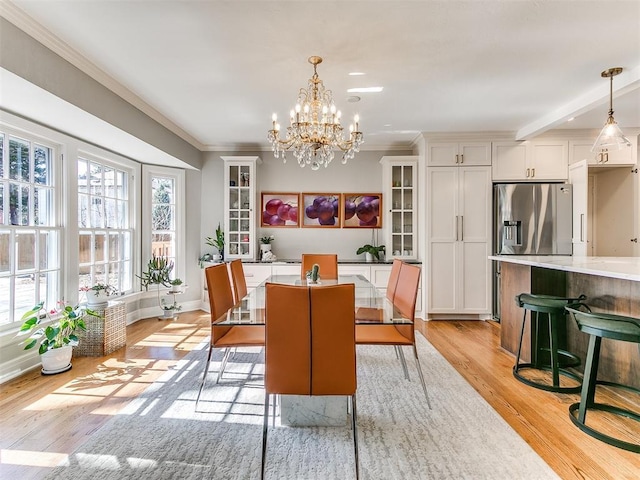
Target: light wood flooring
{"type": "Point", "coordinates": [45, 418]}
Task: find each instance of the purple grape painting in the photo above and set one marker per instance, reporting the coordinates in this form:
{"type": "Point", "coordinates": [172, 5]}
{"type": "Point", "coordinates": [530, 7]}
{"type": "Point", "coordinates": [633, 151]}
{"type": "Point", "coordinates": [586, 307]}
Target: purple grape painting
{"type": "Point", "coordinates": [321, 209]}
{"type": "Point", "coordinates": [280, 210]}
{"type": "Point", "coordinates": [362, 210]}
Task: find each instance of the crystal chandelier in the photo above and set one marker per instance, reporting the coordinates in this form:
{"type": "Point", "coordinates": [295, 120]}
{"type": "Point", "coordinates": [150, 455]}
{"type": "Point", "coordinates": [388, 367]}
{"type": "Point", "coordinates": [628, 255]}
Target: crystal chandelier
{"type": "Point", "coordinates": [611, 134]}
{"type": "Point", "coordinates": [315, 130]}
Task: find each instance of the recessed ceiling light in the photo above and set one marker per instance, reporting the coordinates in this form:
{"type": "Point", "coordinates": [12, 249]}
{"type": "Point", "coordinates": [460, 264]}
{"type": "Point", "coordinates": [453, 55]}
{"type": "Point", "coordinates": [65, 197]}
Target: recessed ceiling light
{"type": "Point", "coordinates": [355, 74]}
{"type": "Point", "coordinates": [353, 99]}
{"type": "Point", "coordinates": [571, 119]}
{"type": "Point", "coordinates": [365, 90]}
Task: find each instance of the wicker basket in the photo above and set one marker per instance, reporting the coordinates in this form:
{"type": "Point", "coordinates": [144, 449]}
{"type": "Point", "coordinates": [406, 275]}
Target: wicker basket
{"type": "Point", "coordinates": [103, 335]}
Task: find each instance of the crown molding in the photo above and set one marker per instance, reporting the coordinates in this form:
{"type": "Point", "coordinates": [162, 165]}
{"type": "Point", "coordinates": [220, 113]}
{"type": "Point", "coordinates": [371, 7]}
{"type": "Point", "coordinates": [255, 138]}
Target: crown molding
{"type": "Point", "coordinates": [28, 25]}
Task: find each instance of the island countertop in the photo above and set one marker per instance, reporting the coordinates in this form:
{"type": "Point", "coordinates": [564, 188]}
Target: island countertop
{"type": "Point", "coordinates": [625, 268]}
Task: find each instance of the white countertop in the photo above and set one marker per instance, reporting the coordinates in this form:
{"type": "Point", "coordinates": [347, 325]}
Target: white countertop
{"type": "Point", "coordinates": [626, 268]}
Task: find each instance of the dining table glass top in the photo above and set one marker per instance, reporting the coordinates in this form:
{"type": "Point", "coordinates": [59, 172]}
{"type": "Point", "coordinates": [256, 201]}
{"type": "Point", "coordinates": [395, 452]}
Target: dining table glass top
{"type": "Point", "coordinates": [371, 306]}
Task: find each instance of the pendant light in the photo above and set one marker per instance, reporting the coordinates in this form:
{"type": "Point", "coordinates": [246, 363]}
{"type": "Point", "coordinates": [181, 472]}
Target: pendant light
{"type": "Point", "coordinates": [611, 136]}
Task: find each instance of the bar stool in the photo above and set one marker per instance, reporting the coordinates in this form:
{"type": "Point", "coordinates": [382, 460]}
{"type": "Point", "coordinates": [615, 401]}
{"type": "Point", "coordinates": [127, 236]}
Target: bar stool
{"type": "Point", "coordinates": [599, 326]}
{"type": "Point", "coordinates": [554, 308]}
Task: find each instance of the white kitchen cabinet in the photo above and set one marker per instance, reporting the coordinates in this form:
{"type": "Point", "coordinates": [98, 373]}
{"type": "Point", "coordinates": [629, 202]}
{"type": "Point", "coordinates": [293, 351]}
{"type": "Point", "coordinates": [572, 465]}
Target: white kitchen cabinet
{"type": "Point", "coordinates": [581, 150]}
{"type": "Point", "coordinates": [538, 160]}
{"type": "Point", "coordinates": [400, 202]}
{"type": "Point", "coordinates": [459, 240]}
{"type": "Point", "coordinates": [579, 179]}
{"type": "Point", "coordinates": [239, 207]}
{"type": "Point", "coordinates": [447, 154]}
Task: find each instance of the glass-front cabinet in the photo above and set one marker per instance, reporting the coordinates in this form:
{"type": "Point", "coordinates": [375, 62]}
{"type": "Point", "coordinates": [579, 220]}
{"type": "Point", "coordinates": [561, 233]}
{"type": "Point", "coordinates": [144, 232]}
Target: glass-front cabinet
{"type": "Point", "coordinates": [400, 204]}
{"type": "Point", "coordinates": [239, 207]}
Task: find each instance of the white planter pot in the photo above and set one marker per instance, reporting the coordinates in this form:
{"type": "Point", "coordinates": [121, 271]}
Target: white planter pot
{"type": "Point", "coordinates": [97, 298]}
{"type": "Point", "coordinates": [56, 360]}
{"type": "Point", "coordinates": [368, 257]}
{"type": "Point", "coordinates": [168, 314]}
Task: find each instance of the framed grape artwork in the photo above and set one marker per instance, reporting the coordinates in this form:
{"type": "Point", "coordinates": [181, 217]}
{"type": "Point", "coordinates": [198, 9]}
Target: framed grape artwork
{"type": "Point", "coordinates": [321, 210]}
{"type": "Point", "coordinates": [362, 210]}
{"type": "Point", "coordinates": [279, 209]}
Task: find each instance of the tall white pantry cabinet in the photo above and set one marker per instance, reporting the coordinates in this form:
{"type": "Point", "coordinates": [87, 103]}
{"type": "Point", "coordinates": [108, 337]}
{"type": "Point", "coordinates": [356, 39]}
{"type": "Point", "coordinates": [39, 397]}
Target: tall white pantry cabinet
{"type": "Point", "coordinates": [459, 206]}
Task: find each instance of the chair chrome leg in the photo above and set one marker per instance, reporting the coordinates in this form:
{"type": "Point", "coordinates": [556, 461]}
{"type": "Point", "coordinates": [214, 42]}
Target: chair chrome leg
{"type": "Point", "coordinates": [265, 426]}
{"type": "Point", "coordinates": [223, 365]}
{"type": "Point", "coordinates": [403, 362]}
{"type": "Point", "coordinates": [204, 375]}
{"type": "Point", "coordinates": [354, 423]}
{"type": "Point", "coordinates": [424, 386]}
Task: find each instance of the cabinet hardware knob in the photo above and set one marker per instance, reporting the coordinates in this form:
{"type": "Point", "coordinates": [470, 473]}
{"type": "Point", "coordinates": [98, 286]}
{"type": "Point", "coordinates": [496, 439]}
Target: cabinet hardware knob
{"type": "Point", "coordinates": [533, 172]}
{"type": "Point", "coordinates": [462, 158]}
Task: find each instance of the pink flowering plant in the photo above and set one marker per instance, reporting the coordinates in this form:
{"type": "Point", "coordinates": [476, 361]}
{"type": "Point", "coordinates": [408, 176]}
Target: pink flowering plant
{"type": "Point", "coordinates": [65, 320]}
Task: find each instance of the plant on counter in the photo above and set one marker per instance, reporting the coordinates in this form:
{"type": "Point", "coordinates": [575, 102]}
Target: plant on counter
{"type": "Point", "coordinates": [217, 242]}
{"type": "Point", "coordinates": [267, 239]}
{"type": "Point", "coordinates": [371, 250]}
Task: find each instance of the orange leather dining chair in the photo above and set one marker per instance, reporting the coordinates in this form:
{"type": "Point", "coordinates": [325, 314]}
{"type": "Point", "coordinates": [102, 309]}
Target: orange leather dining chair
{"type": "Point", "coordinates": [310, 346]}
{"type": "Point", "coordinates": [237, 281]}
{"type": "Point", "coordinates": [375, 314]}
{"type": "Point", "coordinates": [398, 335]}
{"type": "Point", "coordinates": [221, 301]}
{"type": "Point", "coordinates": [328, 263]}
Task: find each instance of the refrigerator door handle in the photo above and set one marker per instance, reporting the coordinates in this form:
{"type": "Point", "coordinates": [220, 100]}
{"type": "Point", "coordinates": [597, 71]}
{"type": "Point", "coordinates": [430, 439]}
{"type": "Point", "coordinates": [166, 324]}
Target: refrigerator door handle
{"type": "Point", "coordinates": [456, 228]}
{"type": "Point", "coordinates": [462, 228]}
{"type": "Point", "coordinates": [582, 227]}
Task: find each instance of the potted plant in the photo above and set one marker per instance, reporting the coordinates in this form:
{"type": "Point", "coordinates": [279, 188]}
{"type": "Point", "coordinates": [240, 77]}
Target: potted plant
{"type": "Point", "coordinates": [97, 295]}
{"type": "Point", "coordinates": [265, 245]}
{"type": "Point", "coordinates": [57, 339]}
{"type": "Point", "coordinates": [217, 242]}
{"type": "Point", "coordinates": [169, 309]}
{"type": "Point", "coordinates": [371, 252]}
{"type": "Point", "coordinates": [158, 272]}
{"type": "Point", "coordinates": [177, 286]}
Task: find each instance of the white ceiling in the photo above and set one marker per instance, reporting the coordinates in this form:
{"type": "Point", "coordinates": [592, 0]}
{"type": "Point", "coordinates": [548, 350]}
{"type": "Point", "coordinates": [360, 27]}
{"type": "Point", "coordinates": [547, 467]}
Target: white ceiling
{"type": "Point", "coordinates": [217, 70]}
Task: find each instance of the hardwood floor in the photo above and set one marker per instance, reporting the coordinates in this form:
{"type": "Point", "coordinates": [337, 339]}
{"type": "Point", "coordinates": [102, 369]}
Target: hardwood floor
{"type": "Point", "coordinates": [45, 418]}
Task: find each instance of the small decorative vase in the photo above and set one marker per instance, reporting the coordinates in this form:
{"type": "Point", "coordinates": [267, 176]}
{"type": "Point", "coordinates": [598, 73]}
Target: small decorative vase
{"type": "Point", "coordinates": [264, 248]}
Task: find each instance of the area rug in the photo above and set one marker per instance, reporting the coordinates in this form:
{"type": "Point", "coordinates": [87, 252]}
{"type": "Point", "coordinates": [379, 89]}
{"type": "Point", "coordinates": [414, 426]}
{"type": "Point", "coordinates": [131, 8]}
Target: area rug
{"type": "Point", "coordinates": [161, 436]}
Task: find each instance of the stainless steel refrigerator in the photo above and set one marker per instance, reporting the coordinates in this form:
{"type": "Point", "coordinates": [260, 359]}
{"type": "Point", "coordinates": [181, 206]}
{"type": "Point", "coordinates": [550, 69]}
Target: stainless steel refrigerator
{"type": "Point", "coordinates": [530, 219]}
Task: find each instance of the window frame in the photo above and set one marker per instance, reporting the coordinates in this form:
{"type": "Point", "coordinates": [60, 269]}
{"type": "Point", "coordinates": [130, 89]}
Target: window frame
{"type": "Point", "coordinates": [178, 175]}
{"type": "Point", "coordinates": [130, 168]}
{"type": "Point", "coordinates": [54, 288]}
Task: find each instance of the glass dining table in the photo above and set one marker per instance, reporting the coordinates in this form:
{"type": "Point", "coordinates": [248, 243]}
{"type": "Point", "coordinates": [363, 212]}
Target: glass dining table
{"type": "Point", "coordinates": [371, 308]}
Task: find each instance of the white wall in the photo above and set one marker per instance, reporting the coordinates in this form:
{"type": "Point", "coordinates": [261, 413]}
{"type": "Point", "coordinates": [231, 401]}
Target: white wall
{"type": "Point", "coordinates": [362, 174]}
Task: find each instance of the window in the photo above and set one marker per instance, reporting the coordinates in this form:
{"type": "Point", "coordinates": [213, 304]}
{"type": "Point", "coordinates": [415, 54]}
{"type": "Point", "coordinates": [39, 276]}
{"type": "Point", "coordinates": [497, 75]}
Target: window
{"type": "Point", "coordinates": [163, 230]}
{"type": "Point", "coordinates": [104, 224]}
{"type": "Point", "coordinates": [30, 247]}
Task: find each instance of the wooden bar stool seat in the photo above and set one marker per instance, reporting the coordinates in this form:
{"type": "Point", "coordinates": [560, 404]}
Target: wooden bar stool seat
{"type": "Point", "coordinates": [551, 357]}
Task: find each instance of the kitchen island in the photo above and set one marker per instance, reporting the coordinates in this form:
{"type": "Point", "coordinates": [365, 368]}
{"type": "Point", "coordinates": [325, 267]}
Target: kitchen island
{"type": "Point", "coordinates": [611, 284]}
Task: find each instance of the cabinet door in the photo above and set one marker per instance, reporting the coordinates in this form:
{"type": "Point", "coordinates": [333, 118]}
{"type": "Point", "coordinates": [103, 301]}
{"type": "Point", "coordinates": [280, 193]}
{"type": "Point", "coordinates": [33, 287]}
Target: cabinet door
{"type": "Point", "coordinates": [239, 204]}
{"type": "Point", "coordinates": [578, 178]}
{"type": "Point", "coordinates": [581, 150]}
{"type": "Point", "coordinates": [399, 187]}
{"type": "Point", "coordinates": [475, 153]}
{"type": "Point", "coordinates": [475, 200]}
{"type": "Point", "coordinates": [509, 161]}
{"type": "Point", "coordinates": [443, 230]}
{"type": "Point", "coordinates": [443, 154]}
{"type": "Point", "coordinates": [549, 161]}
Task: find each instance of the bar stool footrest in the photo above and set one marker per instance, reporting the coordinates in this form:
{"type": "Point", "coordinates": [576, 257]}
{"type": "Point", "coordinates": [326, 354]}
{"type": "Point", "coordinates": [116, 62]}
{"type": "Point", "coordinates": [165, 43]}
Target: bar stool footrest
{"type": "Point", "coordinates": [545, 386]}
{"type": "Point", "coordinates": [603, 407]}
